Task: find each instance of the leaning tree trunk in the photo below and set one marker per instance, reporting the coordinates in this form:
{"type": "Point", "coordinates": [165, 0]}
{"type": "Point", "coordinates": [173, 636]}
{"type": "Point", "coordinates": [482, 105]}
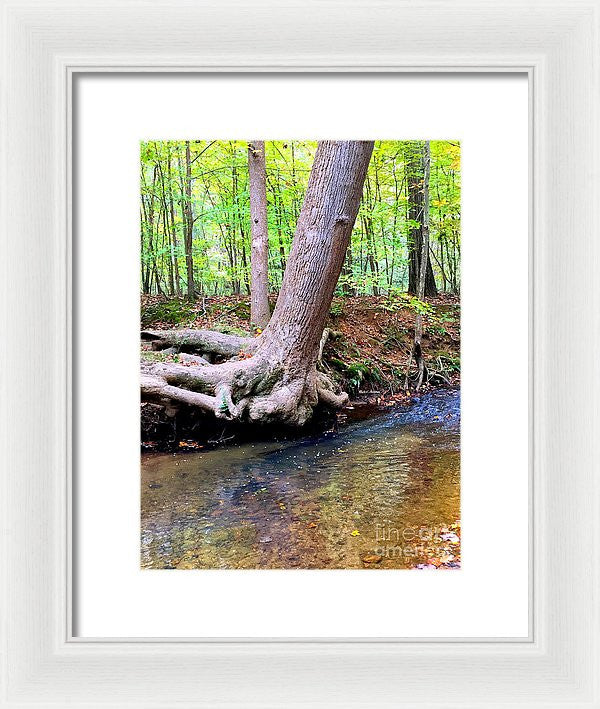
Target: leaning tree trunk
{"type": "Point", "coordinates": [276, 379]}
{"type": "Point", "coordinates": [259, 282]}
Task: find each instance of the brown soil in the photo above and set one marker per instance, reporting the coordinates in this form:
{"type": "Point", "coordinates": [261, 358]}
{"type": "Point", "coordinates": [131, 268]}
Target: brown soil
{"type": "Point", "coordinates": [367, 352]}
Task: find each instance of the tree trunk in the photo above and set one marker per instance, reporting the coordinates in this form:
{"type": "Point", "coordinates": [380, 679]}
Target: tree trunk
{"type": "Point", "coordinates": [279, 381]}
{"type": "Point", "coordinates": [150, 226]}
{"type": "Point", "coordinates": [415, 178]}
{"type": "Point", "coordinates": [259, 255]}
{"type": "Point", "coordinates": [169, 256]}
{"type": "Point", "coordinates": [189, 223]}
{"type": "Point", "coordinates": [175, 250]}
{"type": "Point", "coordinates": [238, 221]}
{"type": "Point", "coordinates": [347, 273]}
{"type": "Point", "coordinates": [421, 283]}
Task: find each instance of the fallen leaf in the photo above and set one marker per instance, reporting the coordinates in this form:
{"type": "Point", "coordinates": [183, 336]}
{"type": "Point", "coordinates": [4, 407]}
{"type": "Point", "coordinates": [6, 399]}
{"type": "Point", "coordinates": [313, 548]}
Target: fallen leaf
{"type": "Point", "coordinates": [372, 558]}
{"type": "Point", "coordinates": [189, 444]}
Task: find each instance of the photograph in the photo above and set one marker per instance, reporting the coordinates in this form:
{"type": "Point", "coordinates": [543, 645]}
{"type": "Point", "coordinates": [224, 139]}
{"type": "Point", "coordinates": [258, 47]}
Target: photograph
{"type": "Point", "coordinates": [300, 354]}
{"type": "Point", "coordinates": [347, 255]}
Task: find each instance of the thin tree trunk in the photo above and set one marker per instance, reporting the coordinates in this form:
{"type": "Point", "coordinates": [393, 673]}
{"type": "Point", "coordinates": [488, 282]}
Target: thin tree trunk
{"type": "Point", "coordinates": [279, 209]}
{"type": "Point", "coordinates": [175, 252]}
{"type": "Point", "coordinates": [237, 219]}
{"type": "Point", "coordinates": [347, 285]}
{"type": "Point", "coordinates": [169, 257]}
{"type": "Point", "coordinates": [417, 348]}
{"type": "Point", "coordinates": [415, 188]}
{"type": "Point", "coordinates": [189, 223]}
{"type": "Point", "coordinates": [150, 228]}
{"type": "Point", "coordinates": [169, 228]}
{"type": "Point", "coordinates": [367, 219]}
{"type": "Point", "coordinates": [378, 200]}
{"type": "Point", "coordinates": [259, 255]}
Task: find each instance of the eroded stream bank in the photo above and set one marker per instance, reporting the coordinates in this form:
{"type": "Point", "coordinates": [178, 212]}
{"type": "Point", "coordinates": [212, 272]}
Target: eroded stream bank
{"type": "Point", "coordinates": [378, 493]}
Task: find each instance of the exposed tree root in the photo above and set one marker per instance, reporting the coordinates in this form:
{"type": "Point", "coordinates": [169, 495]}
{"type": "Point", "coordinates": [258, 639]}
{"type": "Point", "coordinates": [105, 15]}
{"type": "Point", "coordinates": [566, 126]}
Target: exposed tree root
{"type": "Point", "coordinates": [273, 378]}
{"type": "Point", "coordinates": [254, 389]}
{"type": "Point", "coordinates": [193, 359]}
{"type": "Point", "coordinates": [322, 343]}
{"type": "Point", "coordinates": [327, 394]}
{"type": "Point", "coordinates": [201, 341]}
{"type": "Point", "coordinates": [159, 387]}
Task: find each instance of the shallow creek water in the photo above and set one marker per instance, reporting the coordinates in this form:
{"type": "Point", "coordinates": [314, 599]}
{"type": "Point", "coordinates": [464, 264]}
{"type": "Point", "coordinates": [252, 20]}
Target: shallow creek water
{"type": "Point", "coordinates": [380, 493]}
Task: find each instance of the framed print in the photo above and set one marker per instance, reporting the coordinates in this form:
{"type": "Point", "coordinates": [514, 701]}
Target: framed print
{"type": "Point", "coordinates": [267, 515]}
{"type": "Point", "coordinates": [300, 365]}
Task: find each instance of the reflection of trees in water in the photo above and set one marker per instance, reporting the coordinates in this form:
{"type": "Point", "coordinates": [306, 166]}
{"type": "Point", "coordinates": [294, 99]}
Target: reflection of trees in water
{"type": "Point", "coordinates": [297, 504]}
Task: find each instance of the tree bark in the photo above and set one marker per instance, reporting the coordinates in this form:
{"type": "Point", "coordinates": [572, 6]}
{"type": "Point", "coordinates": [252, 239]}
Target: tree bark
{"type": "Point", "coordinates": [189, 223]}
{"type": "Point", "coordinates": [279, 381]}
{"type": "Point", "coordinates": [259, 256]}
{"type": "Point", "coordinates": [204, 341]}
{"type": "Point", "coordinates": [421, 283]}
{"type": "Point", "coordinates": [415, 178]}
{"type": "Point", "coordinates": [175, 250]}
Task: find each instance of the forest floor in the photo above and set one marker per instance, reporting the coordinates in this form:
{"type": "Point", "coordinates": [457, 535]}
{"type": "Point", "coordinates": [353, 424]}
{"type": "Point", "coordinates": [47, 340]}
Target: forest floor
{"type": "Point", "coordinates": [367, 351]}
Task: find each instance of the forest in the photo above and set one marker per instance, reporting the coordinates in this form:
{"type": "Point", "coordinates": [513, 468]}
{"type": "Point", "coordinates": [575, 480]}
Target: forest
{"type": "Point", "coordinates": [300, 354]}
{"type": "Point", "coordinates": [281, 278]}
{"type": "Point", "coordinates": [196, 228]}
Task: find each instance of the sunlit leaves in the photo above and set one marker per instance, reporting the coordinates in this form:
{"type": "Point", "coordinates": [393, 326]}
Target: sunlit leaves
{"type": "Point", "coordinates": [220, 207]}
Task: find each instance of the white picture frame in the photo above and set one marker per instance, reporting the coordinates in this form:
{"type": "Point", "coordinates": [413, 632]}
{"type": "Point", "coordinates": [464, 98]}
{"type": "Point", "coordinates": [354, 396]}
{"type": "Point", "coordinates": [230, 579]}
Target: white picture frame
{"type": "Point", "coordinates": [46, 43]}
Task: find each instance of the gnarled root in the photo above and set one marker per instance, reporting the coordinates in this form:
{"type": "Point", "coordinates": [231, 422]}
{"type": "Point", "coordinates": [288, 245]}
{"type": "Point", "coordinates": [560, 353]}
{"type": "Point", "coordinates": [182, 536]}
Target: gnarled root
{"type": "Point", "coordinates": [159, 387]}
{"type": "Point", "coordinates": [327, 394]}
{"type": "Point", "coordinates": [193, 359]}
{"type": "Point", "coordinates": [205, 385]}
{"type": "Point", "coordinates": [201, 341]}
{"type": "Point", "coordinates": [335, 401]}
{"type": "Point", "coordinates": [253, 389]}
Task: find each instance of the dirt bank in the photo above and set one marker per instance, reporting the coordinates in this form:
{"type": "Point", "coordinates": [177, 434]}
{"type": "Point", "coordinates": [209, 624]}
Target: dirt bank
{"type": "Point", "coordinates": [367, 351]}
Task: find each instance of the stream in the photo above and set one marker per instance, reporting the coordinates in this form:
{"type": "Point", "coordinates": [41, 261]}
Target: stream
{"type": "Point", "coordinates": [381, 493]}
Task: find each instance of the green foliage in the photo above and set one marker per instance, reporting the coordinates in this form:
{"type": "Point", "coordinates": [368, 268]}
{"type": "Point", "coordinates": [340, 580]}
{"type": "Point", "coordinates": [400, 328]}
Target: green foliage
{"type": "Point", "coordinates": [437, 329]}
{"type": "Point", "coordinates": [377, 260]}
{"type": "Point", "coordinates": [449, 362]}
{"type": "Point", "coordinates": [337, 307]}
{"type": "Point", "coordinates": [357, 373]}
{"type": "Point", "coordinates": [397, 301]}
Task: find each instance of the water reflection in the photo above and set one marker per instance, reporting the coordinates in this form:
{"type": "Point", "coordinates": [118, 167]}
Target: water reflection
{"type": "Point", "coordinates": [382, 493]}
